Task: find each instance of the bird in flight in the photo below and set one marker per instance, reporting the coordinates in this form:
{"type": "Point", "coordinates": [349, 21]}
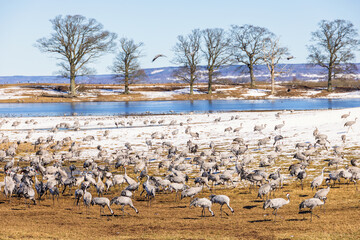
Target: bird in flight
{"type": "Point", "coordinates": [157, 56]}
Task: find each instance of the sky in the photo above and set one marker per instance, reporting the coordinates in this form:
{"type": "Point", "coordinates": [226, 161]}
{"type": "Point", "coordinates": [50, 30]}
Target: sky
{"type": "Point", "coordinates": [157, 23]}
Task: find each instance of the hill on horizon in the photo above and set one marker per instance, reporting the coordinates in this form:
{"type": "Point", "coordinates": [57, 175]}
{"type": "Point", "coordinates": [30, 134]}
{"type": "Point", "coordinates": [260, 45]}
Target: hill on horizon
{"type": "Point", "coordinates": [233, 73]}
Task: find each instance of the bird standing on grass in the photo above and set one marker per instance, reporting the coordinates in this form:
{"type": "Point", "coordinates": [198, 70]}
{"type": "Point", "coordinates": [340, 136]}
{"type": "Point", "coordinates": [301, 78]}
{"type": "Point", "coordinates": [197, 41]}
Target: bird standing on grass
{"type": "Point", "coordinates": [276, 203]}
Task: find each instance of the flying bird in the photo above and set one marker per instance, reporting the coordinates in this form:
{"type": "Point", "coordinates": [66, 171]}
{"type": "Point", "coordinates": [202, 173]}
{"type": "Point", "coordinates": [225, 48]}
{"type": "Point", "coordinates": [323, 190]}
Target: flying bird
{"type": "Point", "coordinates": [157, 56]}
{"type": "Point", "coordinates": [291, 57]}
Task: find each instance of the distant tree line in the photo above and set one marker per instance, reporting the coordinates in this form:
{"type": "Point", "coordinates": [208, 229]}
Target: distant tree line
{"type": "Point", "coordinates": [77, 41]}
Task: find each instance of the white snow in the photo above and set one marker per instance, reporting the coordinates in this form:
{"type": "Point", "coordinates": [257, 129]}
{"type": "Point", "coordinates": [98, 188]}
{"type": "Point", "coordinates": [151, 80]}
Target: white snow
{"type": "Point", "coordinates": [157, 94]}
{"type": "Point", "coordinates": [187, 91]}
{"type": "Point", "coordinates": [256, 93]}
{"type": "Point", "coordinates": [299, 126]}
{"type": "Point", "coordinates": [157, 71]}
{"type": "Point", "coordinates": [355, 94]}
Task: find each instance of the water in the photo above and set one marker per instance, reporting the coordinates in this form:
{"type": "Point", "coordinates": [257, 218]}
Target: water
{"type": "Point", "coordinates": [161, 107]}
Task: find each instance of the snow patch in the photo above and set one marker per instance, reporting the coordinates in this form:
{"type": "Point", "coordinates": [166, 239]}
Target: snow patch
{"type": "Point", "coordinates": [256, 93]}
{"type": "Point", "coordinates": [157, 71]}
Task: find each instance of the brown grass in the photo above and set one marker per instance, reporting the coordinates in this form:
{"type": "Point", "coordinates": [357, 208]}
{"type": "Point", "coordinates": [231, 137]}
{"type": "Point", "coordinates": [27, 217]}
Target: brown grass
{"type": "Point", "coordinates": [167, 219]}
{"type": "Point", "coordinates": [292, 89]}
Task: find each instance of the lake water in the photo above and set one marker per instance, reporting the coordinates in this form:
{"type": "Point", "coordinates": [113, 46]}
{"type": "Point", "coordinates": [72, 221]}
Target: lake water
{"type": "Point", "coordinates": [161, 107]}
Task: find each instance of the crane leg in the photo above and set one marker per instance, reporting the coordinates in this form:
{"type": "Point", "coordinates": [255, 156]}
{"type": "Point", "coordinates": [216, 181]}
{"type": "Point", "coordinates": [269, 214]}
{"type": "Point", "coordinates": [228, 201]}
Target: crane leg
{"type": "Point", "coordinates": [275, 214]}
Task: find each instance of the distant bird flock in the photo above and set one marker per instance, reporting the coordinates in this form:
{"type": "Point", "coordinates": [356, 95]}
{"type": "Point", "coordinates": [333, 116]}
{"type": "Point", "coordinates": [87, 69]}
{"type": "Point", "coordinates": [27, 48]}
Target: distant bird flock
{"type": "Point", "coordinates": [187, 167]}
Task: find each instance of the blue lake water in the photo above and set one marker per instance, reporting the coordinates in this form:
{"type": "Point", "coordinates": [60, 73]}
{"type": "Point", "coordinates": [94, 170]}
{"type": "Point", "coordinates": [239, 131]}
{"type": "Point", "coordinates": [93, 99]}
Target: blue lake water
{"type": "Point", "coordinates": [161, 107]}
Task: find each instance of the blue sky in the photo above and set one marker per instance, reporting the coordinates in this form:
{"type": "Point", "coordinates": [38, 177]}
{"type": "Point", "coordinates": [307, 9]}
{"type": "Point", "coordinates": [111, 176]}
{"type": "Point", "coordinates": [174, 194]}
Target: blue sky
{"type": "Point", "coordinates": [157, 23]}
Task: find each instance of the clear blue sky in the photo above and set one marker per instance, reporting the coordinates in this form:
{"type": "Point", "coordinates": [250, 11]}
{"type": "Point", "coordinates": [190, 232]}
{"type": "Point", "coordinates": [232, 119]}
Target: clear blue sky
{"type": "Point", "coordinates": [157, 23]}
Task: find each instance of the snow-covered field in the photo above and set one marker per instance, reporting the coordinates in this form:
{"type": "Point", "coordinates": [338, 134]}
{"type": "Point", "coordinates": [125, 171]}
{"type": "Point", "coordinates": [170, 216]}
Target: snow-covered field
{"type": "Point", "coordinates": [298, 128]}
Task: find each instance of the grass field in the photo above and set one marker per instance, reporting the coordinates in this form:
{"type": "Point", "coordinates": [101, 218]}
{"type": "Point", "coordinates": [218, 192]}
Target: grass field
{"type": "Point", "coordinates": [167, 219]}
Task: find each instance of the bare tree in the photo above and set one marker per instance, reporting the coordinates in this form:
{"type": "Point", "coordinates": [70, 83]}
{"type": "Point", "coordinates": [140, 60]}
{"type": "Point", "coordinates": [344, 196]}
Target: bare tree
{"type": "Point", "coordinates": [76, 41]}
{"type": "Point", "coordinates": [187, 54]}
{"type": "Point", "coordinates": [126, 64]}
{"type": "Point", "coordinates": [272, 53]}
{"type": "Point", "coordinates": [247, 46]}
{"type": "Point", "coordinates": [216, 51]}
{"type": "Point", "coordinates": [333, 47]}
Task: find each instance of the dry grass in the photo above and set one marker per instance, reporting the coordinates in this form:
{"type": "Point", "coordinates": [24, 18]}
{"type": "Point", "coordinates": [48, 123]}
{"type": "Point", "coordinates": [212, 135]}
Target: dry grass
{"type": "Point", "coordinates": [167, 219]}
{"type": "Point", "coordinates": [292, 89]}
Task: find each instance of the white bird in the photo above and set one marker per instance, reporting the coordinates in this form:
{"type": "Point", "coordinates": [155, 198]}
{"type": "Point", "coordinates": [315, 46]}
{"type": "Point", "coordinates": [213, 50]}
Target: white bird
{"type": "Point", "coordinates": [221, 199]}
{"type": "Point", "coordinates": [102, 202]}
{"type": "Point", "coordinates": [276, 203]}
{"type": "Point", "coordinates": [203, 203]}
{"type": "Point", "coordinates": [123, 201]}
{"type": "Point", "coordinates": [318, 180]}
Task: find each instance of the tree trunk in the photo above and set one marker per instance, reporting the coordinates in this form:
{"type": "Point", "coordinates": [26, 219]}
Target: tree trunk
{"type": "Point", "coordinates": [126, 82]}
{"type": "Point", "coordinates": [210, 74]}
{"type": "Point", "coordinates": [252, 78]}
{"type": "Point", "coordinates": [191, 88]}
{"type": "Point", "coordinates": [72, 81]}
{"type": "Point", "coordinates": [330, 80]}
{"type": "Point", "coordinates": [272, 80]}
{"type": "Point", "coordinates": [126, 86]}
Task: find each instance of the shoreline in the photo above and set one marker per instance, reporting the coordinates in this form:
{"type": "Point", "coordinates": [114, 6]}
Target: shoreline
{"type": "Point", "coordinates": [50, 93]}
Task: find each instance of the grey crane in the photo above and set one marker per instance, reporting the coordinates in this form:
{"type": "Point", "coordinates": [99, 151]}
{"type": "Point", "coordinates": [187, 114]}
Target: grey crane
{"type": "Point", "coordinates": [150, 190]}
{"type": "Point", "coordinates": [87, 200]}
{"type": "Point", "coordinates": [126, 193]}
{"type": "Point", "coordinates": [265, 190]}
{"type": "Point", "coordinates": [100, 187]}
{"type": "Point", "coordinates": [102, 202]}
{"type": "Point", "coordinates": [78, 194]}
{"type": "Point", "coordinates": [350, 124]}
{"type": "Point", "coordinates": [322, 193]}
{"type": "Point", "coordinates": [301, 175]}
{"type": "Point", "coordinates": [259, 128]}
{"type": "Point", "coordinates": [203, 203]}
{"type": "Point", "coordinates": [312, 203]}
{"type": "Point", "coordinates": [191, 192]}
{"type": "Point", "coordinates": [221, 199]}
{"type": "Point", "coordinates": [54, 191]}
{"type": "Point", "coordinates": [277, 138]}
{"type": "Point", "coordinates": [279, 126]}
{"type": "Point", "coordinates": [123, 201]}
{"type": "Point", "coordinates": [276, 203]}
{"type": "Point", "coordinates": [9, 165]}
{"type": "Point", "coordinates": [345, 116]}
{"type": "Point", "coordinates": [318, 180]}
{"type": "Point", "coordinates": [177, 187]}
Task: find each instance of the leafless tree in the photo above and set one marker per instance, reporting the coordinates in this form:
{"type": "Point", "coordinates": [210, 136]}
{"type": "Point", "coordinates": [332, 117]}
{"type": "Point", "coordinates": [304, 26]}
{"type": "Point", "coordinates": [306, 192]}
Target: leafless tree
{"type": "Point", "coordinates": [333, 47]}
{"type": "Point", "coordinates": [76, 41]}
{"type": "Point", "coordinates": [187, 54]}
{"type": "Point", "coordinates": [126, 64]}
{"type": "Point", "coordinates": [272, 53]}
{"type": "Point", "coordinates": [216, 51]}
{"type": "Point", "coordinates": [247, 46]}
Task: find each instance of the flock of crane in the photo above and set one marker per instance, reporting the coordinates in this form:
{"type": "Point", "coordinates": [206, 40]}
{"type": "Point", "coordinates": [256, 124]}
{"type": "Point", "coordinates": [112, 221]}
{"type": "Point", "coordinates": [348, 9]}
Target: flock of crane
{"type": "Point", "coordinates": [176, 158]}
